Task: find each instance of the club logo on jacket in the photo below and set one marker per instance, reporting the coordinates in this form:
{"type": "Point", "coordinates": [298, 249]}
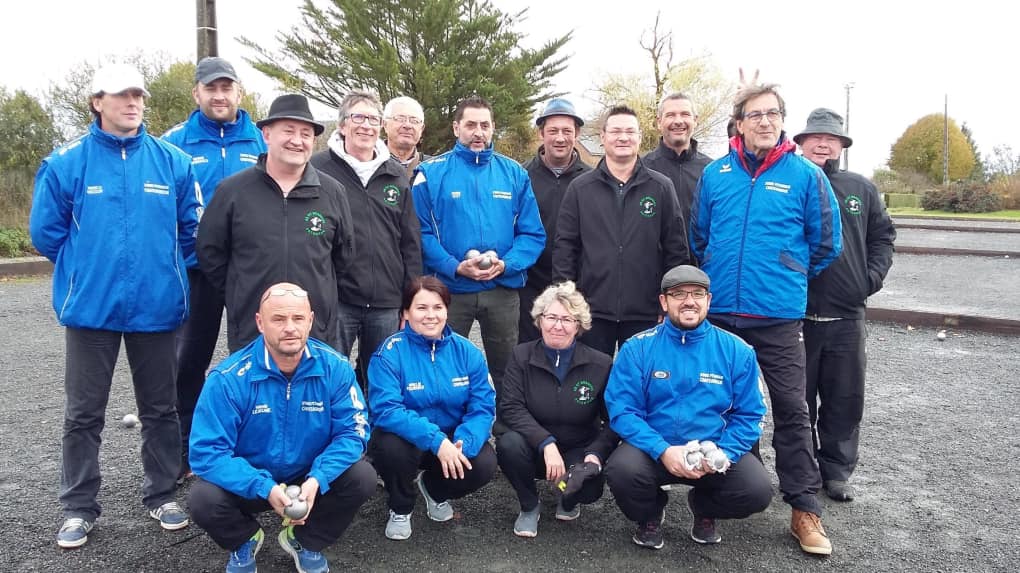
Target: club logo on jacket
{"type": "Point", "coordinates": [391, 194]}
{"type": "Point", "coordinates": [316, 224]}
{"type": "Point", "coordinates": [647, 205]}
{"type": "Point", "coordinates": [853, 205]}
{"type": "Point", "coordinates": [709, 378]}
{"type": "Point", "coordinates": [660, 374]}
{"type": "Point", "coordinates": [415, 386]}
{"type": "Point", "coordinates": [584, 392]}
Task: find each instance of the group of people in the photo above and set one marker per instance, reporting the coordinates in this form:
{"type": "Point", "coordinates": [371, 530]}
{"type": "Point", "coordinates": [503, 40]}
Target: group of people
{"type": "Point", "coordinates": [701, 277]}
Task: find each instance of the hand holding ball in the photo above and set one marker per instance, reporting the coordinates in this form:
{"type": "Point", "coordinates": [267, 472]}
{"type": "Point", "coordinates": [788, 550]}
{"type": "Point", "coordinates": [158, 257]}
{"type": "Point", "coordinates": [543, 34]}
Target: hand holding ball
{"type": "Point", "coordinates": [297, 508]}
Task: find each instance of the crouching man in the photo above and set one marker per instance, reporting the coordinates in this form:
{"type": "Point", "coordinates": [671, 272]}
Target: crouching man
{"type": "Point", "coordinates": [285, 409]}
{"type": "Point", "coordinates": [681, 381]}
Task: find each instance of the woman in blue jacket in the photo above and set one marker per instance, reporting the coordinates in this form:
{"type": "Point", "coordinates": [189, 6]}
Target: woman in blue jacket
{"type": "Point", "coordinates": [432, 405]}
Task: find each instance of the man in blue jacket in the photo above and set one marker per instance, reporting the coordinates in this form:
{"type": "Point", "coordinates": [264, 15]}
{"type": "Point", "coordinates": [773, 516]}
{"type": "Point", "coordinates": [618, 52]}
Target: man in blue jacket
{"type": "Point", "coordinates": [285, 409]}
{"type": "Point", "coordinates": [765, 220]}
{"type": "Point", "coordinates": [472, 198]}
{"type": "Point", "coordinates": [681, 381]}
{"type": "Point", "coordinates": [221, 139]}
{"type": "Point", "coordinates": [117, 210]}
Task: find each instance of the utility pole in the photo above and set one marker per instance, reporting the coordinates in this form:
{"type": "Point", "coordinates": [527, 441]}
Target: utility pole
{"type": "Point", "coordinates": [846, 152]}
{"type": "Point", "coordinates": [945, 143]}
{"type": "Point", "coordinates": [206, 29]}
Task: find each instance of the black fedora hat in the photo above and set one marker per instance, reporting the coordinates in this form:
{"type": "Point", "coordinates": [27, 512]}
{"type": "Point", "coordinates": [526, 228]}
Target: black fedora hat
{"type": "Point", "coordinates": [291, 106]}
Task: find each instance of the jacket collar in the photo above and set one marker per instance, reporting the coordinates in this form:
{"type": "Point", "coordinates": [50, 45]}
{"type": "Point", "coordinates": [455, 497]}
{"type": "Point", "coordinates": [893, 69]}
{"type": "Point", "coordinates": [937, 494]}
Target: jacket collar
{"type": "Point", "coordinates": [536, 355]}
{"type": "Point", "coordinates": [639, 176]}
{"type": "Point", "coordinates": [687, 154]}
{"type": "Point", "coordinates": [115, 141]}
{"type": "Point", "coordinates": [309, 177]}
{"type": "Point", "coordinates": [831, 166]}
{"type": "Point", "coordinates": [783, 147]}
{"type": "Point", "coordinates": [473, 157]}
{"type": "Point", "coordinates": [575, 166]}
{"type": "Point", "coordinates": [264, 367]}
{"type": "Point", "coordinates": [686, 336]}
{"type": "Point", "coordinates": [209, 129]}
{"type": "Point", "coordinates": [428, 343]}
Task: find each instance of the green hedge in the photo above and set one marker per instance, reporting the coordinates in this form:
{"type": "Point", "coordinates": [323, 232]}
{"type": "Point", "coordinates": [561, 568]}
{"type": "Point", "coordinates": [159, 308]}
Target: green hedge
{"type": "Point", "coordinates": [894, 200]}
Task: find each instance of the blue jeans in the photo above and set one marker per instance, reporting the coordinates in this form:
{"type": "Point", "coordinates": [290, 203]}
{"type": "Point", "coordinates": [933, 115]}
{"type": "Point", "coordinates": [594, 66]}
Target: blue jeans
{"type": "Point", "coordinates": [91, 357]}
{"type": "Point", "coordinates": [369, 326]}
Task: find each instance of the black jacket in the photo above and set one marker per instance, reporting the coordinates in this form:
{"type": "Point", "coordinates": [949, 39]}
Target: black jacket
{"type": "Point", "coordinates": [683, 170]}
{"type": "Point", "coordinates": [549, 190]}
{"type": "Point", "coordinates": [389, 236]}
{"type": "Point", "coordinates": [617, 251]}
{"type": "Point", "coordinates": [842, 289]}
{"type": "Point", "coordinates": [536, 405]}
{"type": "Point", "coordinates": [252, 237]}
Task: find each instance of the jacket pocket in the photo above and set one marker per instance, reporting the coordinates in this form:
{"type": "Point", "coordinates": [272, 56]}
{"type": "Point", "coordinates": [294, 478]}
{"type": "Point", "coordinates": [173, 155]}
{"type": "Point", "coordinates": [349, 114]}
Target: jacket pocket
{"type": "Point", "coordinates": [787, 260]}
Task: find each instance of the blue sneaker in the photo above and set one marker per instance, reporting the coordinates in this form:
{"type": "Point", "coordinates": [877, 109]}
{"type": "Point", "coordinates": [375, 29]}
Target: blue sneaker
{"type": "Point", "coordinates": [242, 560]}
{"type": "Point", "coordinates": [306, 561]}
{"type": "Point", "coordinates": [74, 532]}
{"type": "Point", "coordinates": [170, 516]}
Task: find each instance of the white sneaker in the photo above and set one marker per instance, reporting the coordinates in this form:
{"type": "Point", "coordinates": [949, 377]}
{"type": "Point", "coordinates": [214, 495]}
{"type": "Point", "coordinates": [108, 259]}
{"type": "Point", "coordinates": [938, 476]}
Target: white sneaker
{"type": "Point", "coordinates": [399, 526]}
{"type": "Point", "coordinates": [436, 511]}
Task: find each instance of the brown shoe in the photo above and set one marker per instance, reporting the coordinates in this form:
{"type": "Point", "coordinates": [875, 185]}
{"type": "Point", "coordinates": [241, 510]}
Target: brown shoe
{"type": "Point", "coordinates": [807, 528]}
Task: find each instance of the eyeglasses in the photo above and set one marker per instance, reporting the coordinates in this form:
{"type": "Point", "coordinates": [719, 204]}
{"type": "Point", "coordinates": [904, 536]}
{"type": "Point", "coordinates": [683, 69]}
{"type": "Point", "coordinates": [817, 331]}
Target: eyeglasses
{"type": "Point", "coordinates": [681, 295]}
{"type": "Point", "coordinates": [618, 133]}
{"type": "Point", "coordinates": [405, 119]}
{"type": "Point", "coordinates": [359, 118]}
{"type": "Point", "coordinates": [564, 321]}
{"type": "Point", "coordinates": [282, 291]}
{"type": "Point", "coordinates": [774, 115]}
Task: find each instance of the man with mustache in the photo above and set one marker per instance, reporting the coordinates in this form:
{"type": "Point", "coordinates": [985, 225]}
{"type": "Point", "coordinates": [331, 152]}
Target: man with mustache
{"type": "Point", "coordinates": [765, 220]}
{"type": "Point", "coordinates": [405, 123]}
{"type": "Point", "coordinates": [472, 199]}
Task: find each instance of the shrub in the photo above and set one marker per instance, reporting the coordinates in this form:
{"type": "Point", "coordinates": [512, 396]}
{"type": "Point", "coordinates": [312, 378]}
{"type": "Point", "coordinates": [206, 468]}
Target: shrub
{"type": "Point", "coordinates": [894, 200]}
{"type": "Point", "coordinates": [15, 197]}
{"type": "Point", "coordinates": [14, 243]}
{"type": "Point", "coordinates": [889, 181]}
{"type": "Point", "coordinates": [965, 197]}
{"type": "Point", "coordinates": [1008, 188]}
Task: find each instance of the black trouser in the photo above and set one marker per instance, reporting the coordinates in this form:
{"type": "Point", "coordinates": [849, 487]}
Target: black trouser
{"type": "Point", "coordinates": [230, 521]}
{"type": "Point", "coordinates": [398, 462]}
{"type": "Point", "coordinates": [522, 465]}
{"type": "Point", "coordinates": [196, 342]}
{"type": "Point", "coordinates": [780, 351]}
{"type": "Point", "coordinates": [88, 375]}
{"type": "Point", "coordinates": [836, 363]}
{"type": "Point", "coordinates": [606, 335]}
{"type": "Point", "coordinates": [526, 329]}
{"type": "Point", "coordinates": [634, 478]}
{"type": "Point", "coordinates": [497, 311]}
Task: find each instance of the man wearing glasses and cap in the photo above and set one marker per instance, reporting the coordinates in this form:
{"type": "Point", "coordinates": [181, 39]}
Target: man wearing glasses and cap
{"type": "Point", "coordinates": [383, 216]}
{"type": "Point", "coordinates": [221, 140]}
{"type": "Point", "coordinates": [285, 409]}
{"type": "Point", "coordinates": [116, 210]}
{"type": "Point", "coordinates": [834, 330]}
{"type": "Point", "coordinates": [281, 219]}
{"type": "Point", "coordinates": [555, 165]}
{"type": "Point", "coordinates": [682, 381]}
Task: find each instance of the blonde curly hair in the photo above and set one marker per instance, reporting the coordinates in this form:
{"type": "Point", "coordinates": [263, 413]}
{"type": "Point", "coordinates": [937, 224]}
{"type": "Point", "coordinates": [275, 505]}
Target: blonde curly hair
{"type": "Point", "coordinates": [565, 293]}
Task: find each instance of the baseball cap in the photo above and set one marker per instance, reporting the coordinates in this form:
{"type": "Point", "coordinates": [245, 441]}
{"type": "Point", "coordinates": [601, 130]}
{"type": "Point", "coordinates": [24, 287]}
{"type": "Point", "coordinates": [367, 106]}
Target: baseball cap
{"type": "Point", "coordinates": [117, 78]}
{"type": "Point", "coordinates": [213, 68]}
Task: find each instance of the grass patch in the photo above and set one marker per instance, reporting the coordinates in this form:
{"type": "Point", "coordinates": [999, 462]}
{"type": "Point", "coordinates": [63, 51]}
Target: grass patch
{"type": "Point", "coordinates": [1004, 215]}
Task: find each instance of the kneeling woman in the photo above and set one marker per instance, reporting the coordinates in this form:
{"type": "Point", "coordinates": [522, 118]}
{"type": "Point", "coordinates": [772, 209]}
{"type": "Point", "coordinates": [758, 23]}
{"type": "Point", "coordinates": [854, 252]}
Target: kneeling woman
{"type": "Point", "coordinates": [552, 404]}
{"type": "Point", "coordinates": [432, 406]}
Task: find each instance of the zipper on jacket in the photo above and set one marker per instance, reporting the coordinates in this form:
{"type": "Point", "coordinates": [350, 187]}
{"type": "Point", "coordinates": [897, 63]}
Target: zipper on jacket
{"type": "Point", "coordinates": [743, 242]}
{"type": "Point", "coordinates": [557, 359]}
{"type": "Point", "coordinates": [286, 246]}
{"type": "Point", "coordinates": [288, 390]}
{"type": "Point", "coordinates": [123, 153]}
{"type": "Point", "coordinates": [433, 351]}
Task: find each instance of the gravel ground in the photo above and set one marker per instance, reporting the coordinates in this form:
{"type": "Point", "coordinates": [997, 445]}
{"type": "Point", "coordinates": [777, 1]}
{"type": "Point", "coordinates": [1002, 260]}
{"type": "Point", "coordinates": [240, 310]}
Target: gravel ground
{"type": "Point", "coordinates": [978, 286]}
{"type": "Point", "coordinates": [949, 239]}
{"type": "Point", "coordinates": [936, 483]}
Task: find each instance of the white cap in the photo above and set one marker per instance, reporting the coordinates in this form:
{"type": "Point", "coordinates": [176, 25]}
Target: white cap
{"type": "Point", "coordinates": [116, 78]}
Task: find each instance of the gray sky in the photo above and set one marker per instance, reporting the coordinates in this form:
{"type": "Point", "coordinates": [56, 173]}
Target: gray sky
{"type": "Point", "coordinates": [903, 57]}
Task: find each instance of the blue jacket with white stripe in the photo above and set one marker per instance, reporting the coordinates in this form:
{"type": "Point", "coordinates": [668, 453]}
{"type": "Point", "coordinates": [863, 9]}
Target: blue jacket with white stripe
{"type": "Point", "coordinates": [118, 217]}
{"type": "Point", "coordinates": [761, 229]}
{"type": "Point", "coordinates": [425, 390]}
